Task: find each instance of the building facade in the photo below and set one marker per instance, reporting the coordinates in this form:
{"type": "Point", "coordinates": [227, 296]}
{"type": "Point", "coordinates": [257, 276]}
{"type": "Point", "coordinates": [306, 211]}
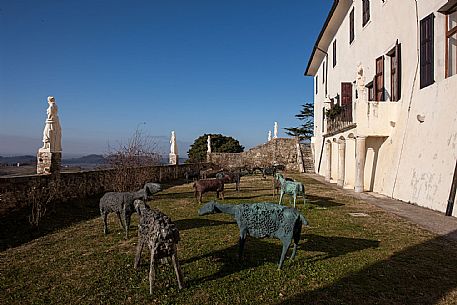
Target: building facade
{"type": "Point", "coordinates": [385, 99]}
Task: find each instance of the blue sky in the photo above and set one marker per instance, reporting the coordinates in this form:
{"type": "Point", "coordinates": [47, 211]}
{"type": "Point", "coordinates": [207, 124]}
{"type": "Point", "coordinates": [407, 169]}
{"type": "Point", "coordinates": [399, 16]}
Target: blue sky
{"type": "Point", "coordinates": [230, 67]}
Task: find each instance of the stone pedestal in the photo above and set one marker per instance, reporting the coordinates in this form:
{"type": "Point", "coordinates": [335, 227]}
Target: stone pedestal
{"type": "Point", "coordinates": [48, 162]}
{"type": "Point", "coordinates": [173, 159]}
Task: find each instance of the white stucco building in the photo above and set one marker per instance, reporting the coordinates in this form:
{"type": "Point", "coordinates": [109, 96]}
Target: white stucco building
{"type": "Point", "coordinates": [385, 99]}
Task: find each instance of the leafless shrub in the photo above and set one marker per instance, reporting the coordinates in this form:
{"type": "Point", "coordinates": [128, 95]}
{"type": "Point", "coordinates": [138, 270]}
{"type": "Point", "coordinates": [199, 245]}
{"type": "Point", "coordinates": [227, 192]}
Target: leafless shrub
{"type": "Point", "coordinates": [130, 161]}
{"type": "Point", "coordinates": [40, 199]}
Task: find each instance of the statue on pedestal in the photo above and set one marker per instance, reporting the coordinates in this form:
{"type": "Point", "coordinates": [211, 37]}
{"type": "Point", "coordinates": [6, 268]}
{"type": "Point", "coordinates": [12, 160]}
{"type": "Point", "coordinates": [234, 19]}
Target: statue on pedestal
{"type": "Point", "coordinates": [276, 130]}
{"type": "Point", "coordinates": [49, 156]}
{"type": "Point", "coordinates": [269, 135]}
{"type": "Point", "coordinates": [173, 149]}
{"type": "Point", "coordinates": [208, 141]}
{"type": "Point", "coordinates": [52, 133]}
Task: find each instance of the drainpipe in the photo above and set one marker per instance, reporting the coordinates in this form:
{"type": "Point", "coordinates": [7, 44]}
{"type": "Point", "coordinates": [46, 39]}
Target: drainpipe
{"type": "Point", "coordinates": [410, 97]}
{"type": "Point", "coordinates": [450, 202]}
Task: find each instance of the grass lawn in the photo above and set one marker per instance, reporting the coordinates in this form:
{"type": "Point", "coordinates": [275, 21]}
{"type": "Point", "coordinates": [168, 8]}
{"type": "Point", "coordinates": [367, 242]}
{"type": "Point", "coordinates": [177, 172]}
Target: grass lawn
{"type": "Point", "coordinates": [342, 259]}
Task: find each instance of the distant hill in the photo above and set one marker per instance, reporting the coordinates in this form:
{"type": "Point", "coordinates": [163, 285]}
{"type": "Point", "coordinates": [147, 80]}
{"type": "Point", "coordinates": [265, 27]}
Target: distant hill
{"type": "Point", "coordinates": [89, 159]}
{"type": "Point", "coordinates": [23, 160]}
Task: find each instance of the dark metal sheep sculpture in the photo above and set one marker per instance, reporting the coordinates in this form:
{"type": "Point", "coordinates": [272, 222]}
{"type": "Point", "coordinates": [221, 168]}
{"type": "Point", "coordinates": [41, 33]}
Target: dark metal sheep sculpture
{"type": "Point", "coordinates": [230, 177]}
{"type": "Point", "coordinates": [207, 185]}
{"type": "Point", "coordinates": [263, 220]}
{"type": "Point", "coordinates": [293, 188]}
{"type": "Point", "coordinates": [121, 203]}
{"type": "Point", "coordinates": [160, 234]}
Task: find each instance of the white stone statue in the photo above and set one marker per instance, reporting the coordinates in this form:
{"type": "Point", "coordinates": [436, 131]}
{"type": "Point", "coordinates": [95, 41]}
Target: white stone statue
{"type": "Point", "coordinates": [174, 145]}
{"type": "Point", "coordinates": [209, 144]}
{"type": "Point", "coordinates": [276, 130]}
{"type": "Point", "coordinates": [360, 79]}
{"type": "Point", "coordinates": [269, 135]}
{"type": "Point", "coordinates": [52, 133]}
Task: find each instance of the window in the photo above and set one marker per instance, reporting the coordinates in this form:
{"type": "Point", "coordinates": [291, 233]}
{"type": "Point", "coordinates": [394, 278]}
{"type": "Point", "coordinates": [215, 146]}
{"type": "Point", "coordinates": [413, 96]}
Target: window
{"type": "Point", "coordinates": [451, 44]}
{"type": "Point", "coordinates": [379, 79]}
{"type": "Point", "coordinates": [365, 12]}
{"type": "Point", "coordinates": [317, 83]}
{"type": "Point", "coordinates": [351, 26]}
{"type": "Point", "coordinates": [334, 53]}
{"type": "Point", "coordinates": [426, 51]}
{"type": "Point", "coordinates": [395, 73]}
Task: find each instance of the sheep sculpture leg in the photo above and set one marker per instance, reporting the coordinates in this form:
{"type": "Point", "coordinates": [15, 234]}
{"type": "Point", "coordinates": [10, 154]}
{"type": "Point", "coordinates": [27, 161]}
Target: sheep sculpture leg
{"type": "Point", "coordinates": [285, 247]}
{"type": "Point", "coordinates": [177, 267]}
{"type": "Point", "coordinates": [152, 272]}
{"type": "Point", "coordinates": [243, 234]}
{"type": "Point", "coordinates": [139, 249]}
{"type": "Point", "coordinates": [105, 224]}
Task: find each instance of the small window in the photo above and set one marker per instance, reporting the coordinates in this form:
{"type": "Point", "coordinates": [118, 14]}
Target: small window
{"type": "Point", "coordinates": [351, 26]}
{"type": "Point", "coordinates": [317, 83]}
{"type": "Point", "coordinates": [365, 12]}
{"type": "Point", "coordinates": [426, 51]}
{"type": "Point", "coordinates": [334, 53]}
{"type": "Point", "coordinates": [451, 44]}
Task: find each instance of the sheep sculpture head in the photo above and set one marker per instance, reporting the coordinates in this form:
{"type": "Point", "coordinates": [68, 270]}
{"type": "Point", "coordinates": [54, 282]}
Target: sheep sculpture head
{"type": "Point", "coordinates": [209, 208]}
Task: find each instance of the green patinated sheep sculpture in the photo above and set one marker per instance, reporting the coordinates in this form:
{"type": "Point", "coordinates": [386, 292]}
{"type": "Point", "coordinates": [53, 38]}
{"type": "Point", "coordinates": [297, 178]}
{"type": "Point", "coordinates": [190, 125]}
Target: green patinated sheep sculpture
{"type": "Point", "coordinates": [263, 220]}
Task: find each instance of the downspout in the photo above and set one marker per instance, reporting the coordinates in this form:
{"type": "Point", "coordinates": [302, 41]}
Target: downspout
{"type": "Point", "coordinates": [450, 202]}
{"type": "Point", "coordinates": [410, 99]}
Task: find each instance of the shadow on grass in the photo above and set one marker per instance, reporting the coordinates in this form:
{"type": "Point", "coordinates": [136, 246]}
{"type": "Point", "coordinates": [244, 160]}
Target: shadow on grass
{"type": "Point", "coordinates": [257, 252]}
{"type": "Point", "coordinates": [423, 274]}
{"type": "Point", "coordinates": [335, 246]}
{"type": "Point", "coordinates": [323, 202]}
{"type": "Point", "coordinates": [245, 197]}
{"type": "Point", "coordinates": [192, 223]}
{"type": "Point", "coordinates": [16, 230]}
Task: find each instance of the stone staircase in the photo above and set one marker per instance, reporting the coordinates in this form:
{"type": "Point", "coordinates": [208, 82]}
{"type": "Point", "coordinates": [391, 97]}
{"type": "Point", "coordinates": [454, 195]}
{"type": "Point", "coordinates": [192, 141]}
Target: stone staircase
{"type": "Point", "coordinates": [308, 160]}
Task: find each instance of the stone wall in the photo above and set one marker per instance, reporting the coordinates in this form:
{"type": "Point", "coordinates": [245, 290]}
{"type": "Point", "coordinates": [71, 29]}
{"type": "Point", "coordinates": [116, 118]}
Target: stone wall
{"type": "Point", "coordinates": [19, 192]}
{"type": "Point", "coordinates": [280, 150]}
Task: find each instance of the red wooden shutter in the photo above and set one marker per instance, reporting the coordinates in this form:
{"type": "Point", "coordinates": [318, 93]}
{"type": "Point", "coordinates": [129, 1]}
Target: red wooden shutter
{"type": "Point", "coordinates": [379, 79]}
{"type": "Point", "coordinates": [346, 94]}
{"type": "Point", "coordinates": [395, 75]}
{"type": "Point", "coordinates": [426, 51]}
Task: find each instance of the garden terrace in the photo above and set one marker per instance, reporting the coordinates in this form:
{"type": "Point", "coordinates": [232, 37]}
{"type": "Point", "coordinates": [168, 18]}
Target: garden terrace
{"type": "Point", "coordinates": [341, 259]}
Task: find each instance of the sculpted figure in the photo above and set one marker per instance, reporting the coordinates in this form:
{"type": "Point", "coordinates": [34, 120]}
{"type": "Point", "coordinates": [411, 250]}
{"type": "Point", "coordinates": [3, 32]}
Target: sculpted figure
{"type": "Point", "coordinates": [52, 133]}
{"type": "Point", "coordinates": [269, 135]}
{"type": "Point", "coordinates": [174, 145]}
{"type": "Point", "coordinates": [209, 144]}
{"type": "Point", "coordinates": [360, 79]}
{"type": "Point", "coordinates": [276, 130]}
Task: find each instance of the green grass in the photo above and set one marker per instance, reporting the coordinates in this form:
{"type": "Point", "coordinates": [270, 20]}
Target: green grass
{"type": "Point", "coordinates": [380, 259]}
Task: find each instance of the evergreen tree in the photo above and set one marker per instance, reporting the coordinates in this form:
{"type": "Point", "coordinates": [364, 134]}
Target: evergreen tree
{"type": "Point", "coordinates": [219, 143]}
{"type": "Point", "coordinates": [306, 130]}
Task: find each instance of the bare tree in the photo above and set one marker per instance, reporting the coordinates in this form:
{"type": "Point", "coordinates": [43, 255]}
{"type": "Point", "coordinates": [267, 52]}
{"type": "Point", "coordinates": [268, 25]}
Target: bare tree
{"type": "Point", "coordinates": [130, 161]}
{"type": "Point", "coordinates": [40, 199]}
